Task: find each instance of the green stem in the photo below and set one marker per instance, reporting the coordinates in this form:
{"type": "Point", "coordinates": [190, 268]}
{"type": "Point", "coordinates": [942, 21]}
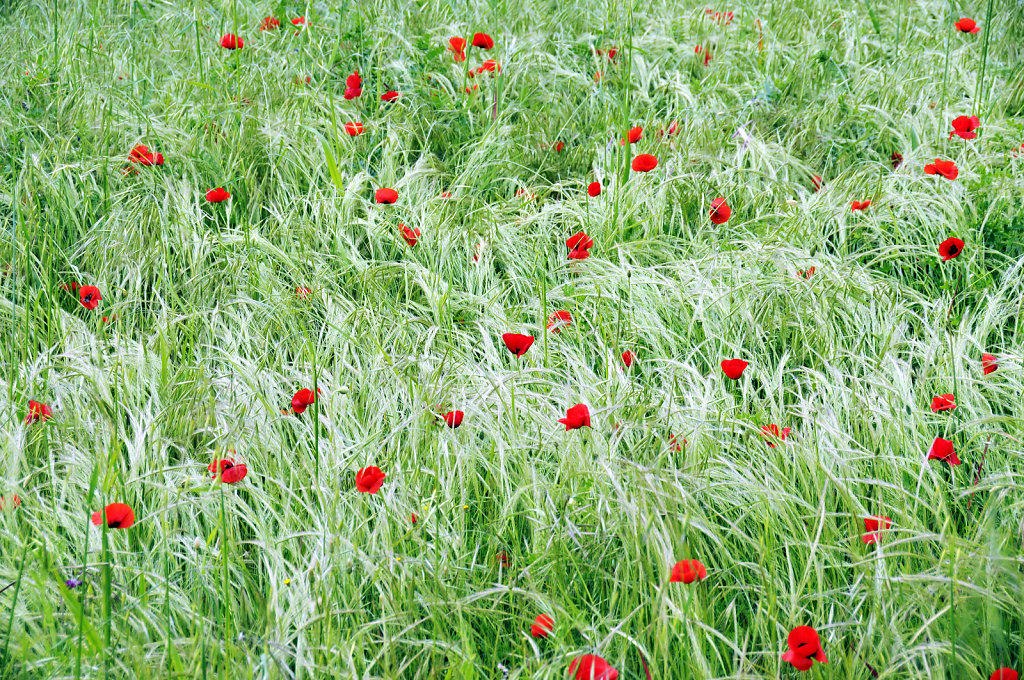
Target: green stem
{"type": "Point", "coordinates": [14, 602]}
{"type": "Point", "coordinates": [980, 89]}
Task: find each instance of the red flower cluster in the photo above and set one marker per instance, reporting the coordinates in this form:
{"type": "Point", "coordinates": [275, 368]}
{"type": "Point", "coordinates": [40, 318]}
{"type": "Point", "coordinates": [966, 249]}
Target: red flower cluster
{"type": "Point", "coordinates": [117, 516]}
{"type": "Point", "coordinates": [37, 412]}
{"type": "Point", "coordinates": [579, 245]}
{"type": "Point", "coordinates": [873, 526]}
{"type": "Point", "coordinates": [644, 162]}
{"type": "Point", "coordinates": [302, 400]}
{"type": "Point", "coordinates": [369, 479]}
{"type": "Point", "coordinates": [218, 195]}
{"type": "Point", "coordinates": [457, 47]}
{"type": "Point", "coordinates": [965, 126]}
{"type": "Point", "coordinates": [517, 344]}
{"type": "Point", "coordinates": [576, 417]}
{"type": "Point", "coordinates": [720, 211]}
{"type": "Point", "coordinates": [804, 648]}
{"type": "Point", "coordinates": [227, 470]}
{"type": "Point", "coordinates": [353, 86]}
{"type": "Point", "coordinates": [688, 571]}
{"type": "Point", "coordinates": [143, 156]}
{"type": "Point", "coordinates": [230, 41]}
{"type": "Point", "coordinates": [411, 236]}
{"type": "Point", "coordinates": [966, 25]}
{"type": "Point", "coordinates": [946, 169]}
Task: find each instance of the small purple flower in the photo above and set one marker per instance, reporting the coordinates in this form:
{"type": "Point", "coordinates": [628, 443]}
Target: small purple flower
{"type": "Point", "coordinates": [73, 583]}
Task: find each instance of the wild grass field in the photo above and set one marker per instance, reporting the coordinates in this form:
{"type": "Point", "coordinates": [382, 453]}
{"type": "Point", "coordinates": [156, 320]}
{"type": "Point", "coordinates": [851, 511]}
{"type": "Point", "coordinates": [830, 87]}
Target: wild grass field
{"type": "Point", "coordinates": [281, 431]}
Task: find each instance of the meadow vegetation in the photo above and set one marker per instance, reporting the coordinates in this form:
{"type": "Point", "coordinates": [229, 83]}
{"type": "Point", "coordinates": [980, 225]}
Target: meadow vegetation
{"type": "Point", "coordinates": [209, 318]}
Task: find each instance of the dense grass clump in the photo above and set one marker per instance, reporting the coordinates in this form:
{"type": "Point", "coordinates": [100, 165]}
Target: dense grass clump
{"type": "Point", "coordinates": [304, 329]}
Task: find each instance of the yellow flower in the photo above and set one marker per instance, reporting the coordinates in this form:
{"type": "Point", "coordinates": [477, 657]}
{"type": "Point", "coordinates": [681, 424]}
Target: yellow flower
{"type": "Point", "coordinates": [287, 581]}
{"type": "Point", "coordinates": [465, 507]}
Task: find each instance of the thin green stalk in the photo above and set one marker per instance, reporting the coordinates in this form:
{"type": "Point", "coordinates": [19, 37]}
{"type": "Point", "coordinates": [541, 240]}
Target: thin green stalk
{"type": "Point", "coordinates": [14, 601]}
{"type": "Point", "coordinates": [225, 586]}
{"type": "Point", "coordinates": [106, 591]}
{"type": "Point", "coordinates": [979, 91]}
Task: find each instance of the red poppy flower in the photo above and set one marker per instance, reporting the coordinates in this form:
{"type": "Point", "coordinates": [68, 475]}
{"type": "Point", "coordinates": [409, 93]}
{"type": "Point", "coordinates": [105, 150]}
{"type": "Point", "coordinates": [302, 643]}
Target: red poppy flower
{"type": "Point", "coordinates": [302, 292]}
{"type": "Point", "coordinates": [143, 156]}
{"type": "Point", "coordinates": [1004, 674]}
{"type": "Point", "coordinates": [390, 96]}
{"type": "Point", "coordinates": [592, 667]}
{"type": "Point", "coordinates": [688, 571]}
{"type": "Point", "coordinates": [15, 502]}
{"type": "Point", "coordinates": [672, 128]}
{"type": "Point", "coordinates": [576, 417]}
{"type": "Point", "coordinates": [517, 344]}
{"type": "Point", "coordinates": [118, 516]}
{"type": "Point", "coordinates": [872, 525]}
{"type": "Point", "coordinates": [89, 296]}
{"type": "Point", "coordinates": [633, 136]}
{"type": "Point", "coordinates": [859, 205]}
{"type": "Point", "coordinates": [645, 162]}
{"type": "Point", "coordinates": [579, 245]}
{"type": "Point", "coordinates": [302, 400]}
{"type": "Point", "coordinates": [489, 65]}
{"type": "Point", "coordinates": [269, 23]}
{"type": "Point", "coordinates": [707, 55]}
{"type": "Point", "coordinates": [947, 169]}
{"type": "Point", "coordinates": [230, 41]}
{"type": "Point", "coordinates": [413, 518]}
{"type": "Point", "coordinates": [454, 418]}
{"type": "Point", "coordinates": [897, 159]}
{"type": "Point", "coordinates": [950, 248]}
{"type": "Point", "coordinates": [733, 368]}
{"type": "Point", "coordinates": [299, 21]}
{"type": "Point", "coordinates": [966, 25]}
{"type": "Point", "coordinates": [478, 250]}
{"type": "Point", "coordinates": [804, 648]}
{"type": "Point", "coordinates": [988, 363]}
{"type": "Point", "coordinates": [353, 86]}
{"type": "Point", "coordinates": [386, 196]}
{"type": "Point", "coordinates": [627, 358]}
{"type": "Point", "coordinates": [230, 473]}
{"type": "Point", "coordinates": [675, 444]}
{"type": "Point", "coordinates": [559, 146]}
{"type": "Point", "coordinates": [816, 181]}
{"type": "Point", "coordinates": [218, 195]}
{"type": "Point", "coordinates": [411, 236]}
{"type": "Point", "coordinates": [559, 320]}
{"type": "Point", "coordinates": [943, 402]}
{"type": "Point", "coordinates": [965, 126]}
{"type": "Point", "coordinates": [456, 46]}
{"type": "Point", "coordinates": [542, 626]}
{"type": "Point", "coordinates": [502, 559]}
{"type": "Point", "coordinates": [773, 432]}
{"type": "Point", "coordinates": [594, 189]}
{"type": "Point", "coordinates": [369, 479]}
{"type": "Point", "coordinates": [806, 274]}
{"type": "Point", "coordinates": [353, 129]}
{"type": "Point", "coordinates": [598, 75]}
{"type": "Point", "coordinates": [942, 449]}
{"type": "Point", "coordinates": [720, 211]}
{"type": "Point", "coordinates": [37, 412]}
{"type": "Point", "coordinates": [483, 41]}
